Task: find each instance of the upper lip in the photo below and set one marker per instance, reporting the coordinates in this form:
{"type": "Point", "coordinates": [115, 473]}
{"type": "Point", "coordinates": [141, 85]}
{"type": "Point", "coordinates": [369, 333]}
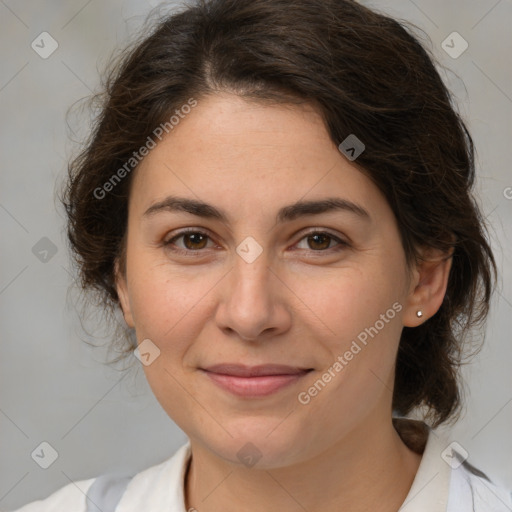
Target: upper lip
{"type": "Point", "coordinates": [241, 370]}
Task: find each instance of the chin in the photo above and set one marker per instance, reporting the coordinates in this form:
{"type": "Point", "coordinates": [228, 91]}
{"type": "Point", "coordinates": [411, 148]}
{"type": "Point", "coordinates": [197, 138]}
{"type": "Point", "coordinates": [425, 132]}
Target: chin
{"type": "Point", "coordinates": [262, 444]}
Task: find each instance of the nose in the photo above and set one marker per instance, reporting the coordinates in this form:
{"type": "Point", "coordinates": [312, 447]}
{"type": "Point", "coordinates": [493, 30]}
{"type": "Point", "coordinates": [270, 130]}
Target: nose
{"type": "Point", "coordinates": [254, 302]}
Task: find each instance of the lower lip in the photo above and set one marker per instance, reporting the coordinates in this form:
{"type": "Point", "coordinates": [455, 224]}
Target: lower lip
{"type": "Point", "coordinates": [254, 386]}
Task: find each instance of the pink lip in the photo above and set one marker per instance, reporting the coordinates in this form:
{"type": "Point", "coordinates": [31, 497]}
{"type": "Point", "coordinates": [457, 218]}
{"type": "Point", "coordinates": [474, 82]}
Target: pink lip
{"type": "Point", "coordinates": [255, 381]}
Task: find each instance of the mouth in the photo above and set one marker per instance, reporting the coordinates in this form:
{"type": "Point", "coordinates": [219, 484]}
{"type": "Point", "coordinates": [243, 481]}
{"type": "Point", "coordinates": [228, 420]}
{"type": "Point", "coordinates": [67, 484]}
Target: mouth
{"type": "Point", "coordinates": [254, 381]}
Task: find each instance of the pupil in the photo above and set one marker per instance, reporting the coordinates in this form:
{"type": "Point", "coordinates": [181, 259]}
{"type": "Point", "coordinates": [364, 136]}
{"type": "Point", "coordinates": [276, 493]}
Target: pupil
{"type": "Point", "coordinates": [190, 238]}
{"type": "Point", "coordinates": [326, 239]}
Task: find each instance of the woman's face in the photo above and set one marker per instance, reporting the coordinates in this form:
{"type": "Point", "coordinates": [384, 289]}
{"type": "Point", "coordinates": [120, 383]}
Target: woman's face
{"type": "Point", "coordinates": [257, 287]}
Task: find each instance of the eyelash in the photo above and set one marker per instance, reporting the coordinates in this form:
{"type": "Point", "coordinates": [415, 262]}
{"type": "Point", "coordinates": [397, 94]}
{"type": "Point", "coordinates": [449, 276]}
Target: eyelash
{"type": "Point", "coordinates": [190, 252]}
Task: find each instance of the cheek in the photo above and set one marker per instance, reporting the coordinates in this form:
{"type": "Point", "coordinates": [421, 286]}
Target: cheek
{"type": "Point", "coordinates": [343, 302]}
{"type": "Point", "coordinates": [358, 319]}
{"type": "Point", "coordinates": [169, 309]}
{"type": "Point", "coordinates": [167, 304]}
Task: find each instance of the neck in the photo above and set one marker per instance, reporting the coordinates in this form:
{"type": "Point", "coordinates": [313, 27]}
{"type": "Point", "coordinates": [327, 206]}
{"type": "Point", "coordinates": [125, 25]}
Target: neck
{"type": "Point", "coordinates": [371, 468]}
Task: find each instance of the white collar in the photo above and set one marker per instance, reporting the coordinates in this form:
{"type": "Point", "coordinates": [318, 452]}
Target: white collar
{"type": "Point", "coordinates": [431, 486]}
{"type": "Point", "coordinates": [161, 487]}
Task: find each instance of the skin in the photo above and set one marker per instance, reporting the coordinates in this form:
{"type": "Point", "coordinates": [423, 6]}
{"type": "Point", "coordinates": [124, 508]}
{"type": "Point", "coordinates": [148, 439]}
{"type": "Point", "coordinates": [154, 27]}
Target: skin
{"type": "Point", "coordinates": [301, 303]}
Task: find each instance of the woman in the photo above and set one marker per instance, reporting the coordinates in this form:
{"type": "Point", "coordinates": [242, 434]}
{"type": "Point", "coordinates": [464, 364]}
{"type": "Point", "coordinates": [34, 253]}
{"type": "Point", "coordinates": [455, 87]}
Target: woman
{"type": "Point", "coordinates": [277, 195]}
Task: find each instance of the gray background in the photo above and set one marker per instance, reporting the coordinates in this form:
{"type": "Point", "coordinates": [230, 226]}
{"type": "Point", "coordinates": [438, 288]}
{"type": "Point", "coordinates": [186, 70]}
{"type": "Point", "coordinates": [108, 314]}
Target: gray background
{"type": "Point", "coordinates": [53, 386]}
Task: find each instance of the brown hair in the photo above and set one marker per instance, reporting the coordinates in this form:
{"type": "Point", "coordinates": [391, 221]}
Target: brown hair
{"type": "Point", "coordinates": [367, 75]}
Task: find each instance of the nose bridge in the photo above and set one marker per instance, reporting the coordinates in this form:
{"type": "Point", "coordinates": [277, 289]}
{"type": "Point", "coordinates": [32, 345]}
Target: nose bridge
{"type": "Point", "coordinates": [252, 303]}
{"type": "Point", "coordinates": [251, 269]}
{"type": "Point", "coordinates": [251, 284]}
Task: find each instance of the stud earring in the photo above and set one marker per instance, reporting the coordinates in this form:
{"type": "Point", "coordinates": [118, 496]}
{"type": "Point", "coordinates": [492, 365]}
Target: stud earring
{"type": "Point", "coordinates": [419, 313]}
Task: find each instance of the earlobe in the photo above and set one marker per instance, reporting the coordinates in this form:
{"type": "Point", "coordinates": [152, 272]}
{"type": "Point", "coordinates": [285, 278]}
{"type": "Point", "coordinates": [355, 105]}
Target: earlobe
{"type": "Point", "coordinates": [428, 287]}
{"type": "Point", "coordinates": [122, 293]}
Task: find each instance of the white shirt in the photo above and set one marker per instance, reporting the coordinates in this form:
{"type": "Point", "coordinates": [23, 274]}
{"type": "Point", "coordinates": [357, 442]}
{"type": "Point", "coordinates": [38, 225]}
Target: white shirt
{"type": "Point", "coordinates": [440, 485]}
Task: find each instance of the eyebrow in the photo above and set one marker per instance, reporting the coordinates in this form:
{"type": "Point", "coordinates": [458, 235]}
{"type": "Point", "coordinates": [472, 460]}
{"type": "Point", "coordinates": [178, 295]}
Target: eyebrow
{"type": "Point", "coordinates": [285, 214]}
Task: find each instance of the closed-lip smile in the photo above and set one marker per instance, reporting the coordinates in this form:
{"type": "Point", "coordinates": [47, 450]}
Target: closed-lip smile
{"type": "Point", "coordinates": [254, 381]}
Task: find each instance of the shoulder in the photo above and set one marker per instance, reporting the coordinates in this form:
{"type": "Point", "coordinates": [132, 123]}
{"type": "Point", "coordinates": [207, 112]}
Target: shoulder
{"type": "Point", "coordinates": [445, 479]}
{"type": "Point", "coordinates": [161, 481]}
{"type": "Point", "coordinates": [472, 490]}
{"type": "Point", "coordinates": [160, 486]}
{"type": "Point", "coordinates": [71, 497]}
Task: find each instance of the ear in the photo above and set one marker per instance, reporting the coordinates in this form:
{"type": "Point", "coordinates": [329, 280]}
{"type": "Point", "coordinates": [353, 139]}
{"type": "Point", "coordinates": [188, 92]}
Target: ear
{"type": "Point", "coordinates": [122, 293]}
{"type": "Point", "coordinates": [428, 286]}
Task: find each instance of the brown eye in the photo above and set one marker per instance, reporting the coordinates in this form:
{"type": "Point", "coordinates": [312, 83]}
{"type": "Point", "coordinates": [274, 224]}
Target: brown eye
{"type": "Point", "coordinates": [190, 241]}
{"type": "Point", "coordinates": [194, 241]}
{"type": "Point", "coordinates": [319, 241]}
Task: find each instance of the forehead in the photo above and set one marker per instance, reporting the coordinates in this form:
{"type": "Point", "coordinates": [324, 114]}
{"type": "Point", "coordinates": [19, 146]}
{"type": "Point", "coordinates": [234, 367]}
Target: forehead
{"type": "Point", "coordinates": [231, 128]}
{"type": "Point", "coordinates": [231, 151]}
